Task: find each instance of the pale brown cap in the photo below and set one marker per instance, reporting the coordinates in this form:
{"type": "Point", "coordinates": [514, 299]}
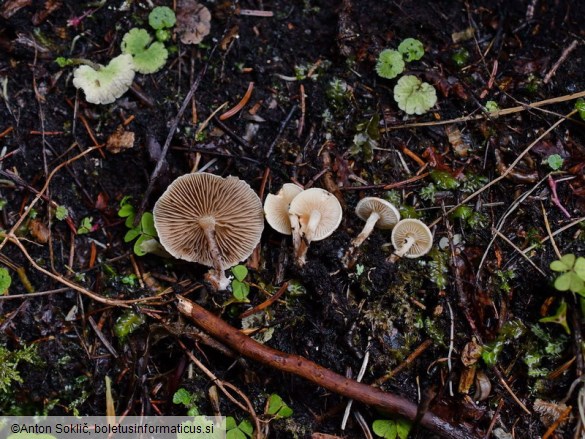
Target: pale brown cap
{"type": "Point", "coordinates": [389, 215]}
{"type": "Point", "coordinates": [317, 201]}
{"type": "Point", "coordinates": [228, 203]}
{"type": "Point", "coordinates": [276, 207]}
{"type": "Point", "coordinates": [416, 230]}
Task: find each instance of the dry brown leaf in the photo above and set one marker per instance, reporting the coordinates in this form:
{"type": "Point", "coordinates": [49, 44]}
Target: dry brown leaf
{"type": "Point", "coordinates": [39, 231]}
{"type": "Point", "coordinates": [120, 140]}
{"type": "Point", "coordinates": [193, 21]}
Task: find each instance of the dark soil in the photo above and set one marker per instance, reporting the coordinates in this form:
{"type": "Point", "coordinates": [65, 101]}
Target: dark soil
{"type": "Point", "coordinates": [478, 284]}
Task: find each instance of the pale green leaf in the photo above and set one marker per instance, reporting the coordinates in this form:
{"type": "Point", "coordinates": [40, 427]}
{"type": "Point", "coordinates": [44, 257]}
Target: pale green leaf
{"type": "Point", "coordinates": [240, 272]}
{"type": "Point", "coordinates": [390, 64]}
{"type": "Point", "coordinates": [563, 282]}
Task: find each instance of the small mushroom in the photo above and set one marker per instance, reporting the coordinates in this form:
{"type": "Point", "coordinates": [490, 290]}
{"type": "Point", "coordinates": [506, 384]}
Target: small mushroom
{"type": "Point", "coordinates": [314, 215]}
{"type": "Point", "coordinates": [411, 238]}
{"type": "Point", "coordinates": [377, 213]}
{"type": "Point", "coordinates": [211, 220]}
{"type": "Point", "coordinates": [276, 208]}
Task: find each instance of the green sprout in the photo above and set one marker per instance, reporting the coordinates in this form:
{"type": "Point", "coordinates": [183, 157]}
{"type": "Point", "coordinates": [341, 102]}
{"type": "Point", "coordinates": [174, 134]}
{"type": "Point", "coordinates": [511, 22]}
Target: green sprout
{"type": "Point", "coordinates": [240, 289]}
{"type": "Point", "coordinates": [146, 57]}
{"type": "Point", "coordinates": [559, 317]}
{"type": "Point", "coordinates": [411, 49]}
{"type": "Point", "coordinates": [61, 213]}
{"type": "Point", "coordinates": [278, 408]}
{"type": "Point", "coordinates": [390, 64]}
{"type": "Point", "coordinates": [492, 106]}
{"type": "Point", "coordinates": [162, 17]}
{"type": "Point", "coordinates": [127, 323]}
{"type": "Point", "coordinates": [555, 162]}
{"type": "Point", "coordinates": [414, 96]}
{"type": "Point", "coordinates": [392, 429]}
{"type": "Point", "coordinates": [243, 430]}
{"type": "Point", "coordinates": [105, 84]}
{"type": "Point", "coordinates": [188, 400]}
{"type": "Point", "coordinates": [367, 138]}
{"type": "Point", "coordinates": [444, 180]}
{"type": "Point", "coordinates": [573, 277]}
{"type": "Point", "coordinates": [460, 57]}
{"type": "Point", "coordinates": [86, 226]}
{"type": "Point", "coordinates": [144, 231]}
{"type": "Point", "coordinates": [5, 281]}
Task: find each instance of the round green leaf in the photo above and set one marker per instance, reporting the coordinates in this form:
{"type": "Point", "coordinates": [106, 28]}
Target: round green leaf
{"type": "Point", "coordinates": [563, 282]}
{"type": "Point", "coordinates": [414, 96]}
{"type": "Point", "coordinates": [131, 234]}
{"type": "Point", "coordinates": [577, 283]}
{"type": "Point", "coordinates": [390, 64]}
{"type": "Point", "coordinates": [240, 272]}
{"type": "Point", "coordinates": [147, 224]}
{"type": "Point", "coordinates": [385, 428]}
{"type": "Point", "coordinates": [162, 17]}
{"type": "Point", "coordinates": [412, 49]}
{"type": "Point", "coordinates": [135, 41]}
{"type": "Point", "coordinates": [558, 266]}
{"type": "Point", "coordinates": [579, 267]}
{"type": "Point", "coordinates": [568, 260]}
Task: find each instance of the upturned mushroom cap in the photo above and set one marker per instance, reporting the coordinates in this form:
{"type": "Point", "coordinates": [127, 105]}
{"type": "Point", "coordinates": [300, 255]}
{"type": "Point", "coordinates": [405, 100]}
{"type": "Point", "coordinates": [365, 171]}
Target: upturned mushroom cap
{"type": "Point", "coordinates": [193, 200]}
{"type": "Point", "coordinates": [316, 200]}
{"type": "Point", "coordinates": [389, 215]}
{"type": "Point", "coordinates": [276, 207]}
{"type": "Point", "coordinates": [416, 230]}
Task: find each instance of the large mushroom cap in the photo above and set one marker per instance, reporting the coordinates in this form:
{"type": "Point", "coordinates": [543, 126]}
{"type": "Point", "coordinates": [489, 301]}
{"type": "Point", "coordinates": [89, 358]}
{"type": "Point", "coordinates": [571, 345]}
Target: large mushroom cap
{"type": "Point", "coordinates": [228, 203]}
{"type": "Point", "coordinates": [411, 228]}
{"type": "Point", "coordinates": [389, 215]}
{"type": "Point", "coordinates": [323, 202]}
{"type": "Point", "coordinates": [276, 207]}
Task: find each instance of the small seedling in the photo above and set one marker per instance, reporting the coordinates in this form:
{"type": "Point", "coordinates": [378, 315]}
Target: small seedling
{"type": "Point", "coordinates": [573, 277]}
{"type": "Point", "coordinates": [511, 330]}
{"type": "Point", "coordinates": [392, 429]}
{"type": "Point", "coordinates": [240, 289]}
{"type": "Point", "coordinates": [188, 400]}
{"type": "Point", "coordinates": [390, 64]}
{"type": "Point", "coordinates": [411, 49]}
{"type": "Point", "coordinates": [162, 17]}
{"type": "Point", "coordinates": [492, 106]}
{"type": "Point", "coordinates": [555, 162]}
{"type": "Point", "coordinates": [277, 408]}
{"type": "Point", "coordinates": [414, 96]}
{"type": "Point", "coordinates": [105, 84]}
{"type": "Point", "coordinates": [127, 323]}
{"type": "Point", "coordinates": [243, 430]}
{"type": "Point", "coordinates": [429, 192]}
{"type": "Point", "coordinates": [61, 213]}
{"type": "Point", "coordinates": [5, 281]}
{"type": "Point", "coordinates": [367, 138]}
{"type": "Point", "coordinates": [559, 317]}
{"type": "Point", "coordinates": [146, 57]}
{"type": "Point", "coordinates": [144, 231]}
{"type": "Point", "coordinates": [86, 226]}
{"type": "Point", "coordinates": [461, 57]}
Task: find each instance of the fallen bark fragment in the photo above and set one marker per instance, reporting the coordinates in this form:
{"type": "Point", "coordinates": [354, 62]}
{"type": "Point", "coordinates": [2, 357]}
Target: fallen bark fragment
{"type": "Point", "coordinates": [384, 401]}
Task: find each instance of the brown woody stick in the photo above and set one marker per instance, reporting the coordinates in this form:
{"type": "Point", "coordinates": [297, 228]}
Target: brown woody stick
{"type": "Point", "coordinates": [319, 375]}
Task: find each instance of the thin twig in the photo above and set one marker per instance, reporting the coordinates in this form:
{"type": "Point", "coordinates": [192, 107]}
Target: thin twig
{"type": "Point", "coordinates": [161, 160]}
{"type": "Point", "coordinates": [561, 59]}
{"type": "Point", "coordinates": [515, 247]}
{"type": "Point", "coordinates": [319, 375]}
{"type": "Point", "coordinates": [510, 168]}
{"type": "Point", "coordinates": [547, 226]}
{"type": "Point", "coordinates": [491, 114]}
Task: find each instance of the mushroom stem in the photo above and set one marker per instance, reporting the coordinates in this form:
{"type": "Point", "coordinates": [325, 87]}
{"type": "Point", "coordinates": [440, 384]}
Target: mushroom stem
{"type": "Point", "coordinates": [296, 231]}
{"type": "Point", "coordinates": [306, 237]}
{"type": "Point", "coordinates": [400, 252]}
{"type": "Point", "coordinates": [367, 230]}
{"type": "Point", "coordinates": [218, 279]}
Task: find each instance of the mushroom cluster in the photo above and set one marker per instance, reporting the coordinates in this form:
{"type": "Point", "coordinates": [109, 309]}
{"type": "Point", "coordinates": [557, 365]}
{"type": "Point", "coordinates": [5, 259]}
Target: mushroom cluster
{"type": "Point", "coordinates": [210, 220]}
{"type": "Point", "coordinates": [309, 215]}
{"type": "Point", "coordinates": [376, 212]}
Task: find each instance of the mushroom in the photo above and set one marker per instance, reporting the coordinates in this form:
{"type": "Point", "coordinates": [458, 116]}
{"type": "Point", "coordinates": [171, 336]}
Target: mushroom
{"type": "Point", "coordinates": [377, 213]}
{"type": "Point", "coordinates": [411, 238]}
{"type": "Point", "coordinates": [276, 208]}
{"type": "Point", "coordinates": [314, 215]}
{"type": "Point", "coordinates": [211, 220]}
